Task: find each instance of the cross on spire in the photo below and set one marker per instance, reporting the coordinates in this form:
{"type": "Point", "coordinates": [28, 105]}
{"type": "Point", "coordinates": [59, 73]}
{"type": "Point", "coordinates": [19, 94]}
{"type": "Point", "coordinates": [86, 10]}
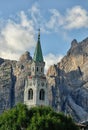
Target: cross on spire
{"type": "Point", "coordinates": [39, 34]}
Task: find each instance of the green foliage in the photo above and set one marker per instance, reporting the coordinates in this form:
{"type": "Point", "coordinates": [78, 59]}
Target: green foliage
{"type": "Point", "coordinates": [14, 119]}
{"type": "Point", "coordinates": [37, 118]}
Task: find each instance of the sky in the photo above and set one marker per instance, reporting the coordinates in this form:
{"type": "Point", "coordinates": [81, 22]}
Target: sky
{"type": "Point", "coordinates": [59, 21]}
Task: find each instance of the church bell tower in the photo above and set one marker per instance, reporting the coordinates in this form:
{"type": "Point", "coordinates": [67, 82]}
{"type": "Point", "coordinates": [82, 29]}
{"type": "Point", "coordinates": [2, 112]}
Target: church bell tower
{"type": "Point", "coordinates": [36, 87]}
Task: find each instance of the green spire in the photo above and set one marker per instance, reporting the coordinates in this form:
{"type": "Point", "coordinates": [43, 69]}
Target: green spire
{"type": "Point", "coordinates": [38, 51]}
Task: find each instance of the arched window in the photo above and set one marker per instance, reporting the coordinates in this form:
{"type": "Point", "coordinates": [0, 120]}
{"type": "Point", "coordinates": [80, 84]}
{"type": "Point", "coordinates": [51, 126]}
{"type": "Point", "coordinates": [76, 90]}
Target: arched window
{"type": "Point", "coordinates": [42, 94]}
{"type": "Point", "coordinates": [30, 94]}
{"type": "Point", "coordinates": [41, 69]}
{"type": "Point", "coordinates": [37, 69]}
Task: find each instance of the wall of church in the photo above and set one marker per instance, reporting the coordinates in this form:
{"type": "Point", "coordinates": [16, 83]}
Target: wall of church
{"type": "Point", "coordinates": [36, 85]}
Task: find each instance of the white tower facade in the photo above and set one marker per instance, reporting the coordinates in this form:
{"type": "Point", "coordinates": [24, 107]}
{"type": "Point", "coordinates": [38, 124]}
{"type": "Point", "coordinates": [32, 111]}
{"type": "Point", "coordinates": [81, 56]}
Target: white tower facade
{"type": "Point", "coordinates": [36, 87]}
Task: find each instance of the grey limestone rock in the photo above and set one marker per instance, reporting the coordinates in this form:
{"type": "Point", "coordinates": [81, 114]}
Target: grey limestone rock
{"type": "Point", "coordinates": [71, 82]}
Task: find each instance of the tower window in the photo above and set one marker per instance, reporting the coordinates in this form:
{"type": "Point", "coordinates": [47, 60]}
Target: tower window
{"type": "Point", "coordinates": [41, 69]}
{"type": "Point", "coordinates": [37, 69]}
{"type": "Point", "coordinates": [30, 94]}
{"type": "Point", "coordinates": [42, 94]}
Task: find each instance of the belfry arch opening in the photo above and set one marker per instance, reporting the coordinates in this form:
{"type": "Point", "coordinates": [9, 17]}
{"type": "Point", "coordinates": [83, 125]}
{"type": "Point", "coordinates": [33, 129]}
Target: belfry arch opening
{"type": "Point", "coordinates": [37, 69]}
{"type": "Point", "coordinates": [42, 94]}
{"type": "Point", "coordinates": [30, 94]}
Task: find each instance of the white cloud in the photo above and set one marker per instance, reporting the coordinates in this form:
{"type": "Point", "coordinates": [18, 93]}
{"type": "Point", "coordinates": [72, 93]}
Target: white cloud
{"type": "Point", "coordinates": [37, 17]}
{"type": "Point", "coordinates": [55, 21]}
{"type": "Point", "coordinates": [25, 22]}
{"type": "Point", "coordinates": [77, 17]}
{"type": "Point", "coordinates": [51, 59]}
{"type": "Point", "coordinates": [73, 18]}
{"type": "Point", "coordinates": [16, 38]}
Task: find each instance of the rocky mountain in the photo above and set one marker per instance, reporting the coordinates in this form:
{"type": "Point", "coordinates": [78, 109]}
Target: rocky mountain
{"type": "Point", "coordinates": [67, 80]}
{"type": "Point", "coordinates": [12, 80]}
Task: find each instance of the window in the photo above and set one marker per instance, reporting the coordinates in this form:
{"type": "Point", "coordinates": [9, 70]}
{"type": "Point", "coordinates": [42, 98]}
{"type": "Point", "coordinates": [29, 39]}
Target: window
{"type": "Point", "coordinates": [30, 94]}
{"type": "Point", "coordinates": [37, 69]}
{"type": "Point", "coordinates": [41, 70]}
{"type": "Point", "coordinates": [42, 94]}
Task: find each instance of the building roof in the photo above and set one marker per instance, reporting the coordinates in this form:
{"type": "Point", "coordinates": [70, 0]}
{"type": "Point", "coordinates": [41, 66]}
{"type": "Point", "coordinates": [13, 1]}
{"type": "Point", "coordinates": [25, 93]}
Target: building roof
{"type": "Point", "coordinates": [38, 57]}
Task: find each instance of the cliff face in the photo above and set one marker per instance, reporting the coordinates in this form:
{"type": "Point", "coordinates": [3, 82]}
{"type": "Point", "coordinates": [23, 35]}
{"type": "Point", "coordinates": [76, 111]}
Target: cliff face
{"type": "Point", "coordinates": [68, 81]}
{"type": "Point", "coordinates": [21, 72]}
{"type": "Point", "coordinates": [12, 80]}
{"type": "Point", "coordinates": [7, 80]}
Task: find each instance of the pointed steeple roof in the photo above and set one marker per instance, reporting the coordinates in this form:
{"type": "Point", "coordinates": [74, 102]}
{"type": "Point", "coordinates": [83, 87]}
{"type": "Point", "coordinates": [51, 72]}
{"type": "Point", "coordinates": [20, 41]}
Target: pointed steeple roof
{"type": "Point", "coordinates": [38, 51]}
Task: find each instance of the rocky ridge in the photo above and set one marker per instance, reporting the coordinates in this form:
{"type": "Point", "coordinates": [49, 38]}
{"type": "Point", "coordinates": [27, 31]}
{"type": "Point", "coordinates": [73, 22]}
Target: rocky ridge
{"type": "Point", "coordinates": [12, 80]}
{"type": "Point", "coordinates": [67, 80]}
{"type": "Point", "coordinates": [70, 82]}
